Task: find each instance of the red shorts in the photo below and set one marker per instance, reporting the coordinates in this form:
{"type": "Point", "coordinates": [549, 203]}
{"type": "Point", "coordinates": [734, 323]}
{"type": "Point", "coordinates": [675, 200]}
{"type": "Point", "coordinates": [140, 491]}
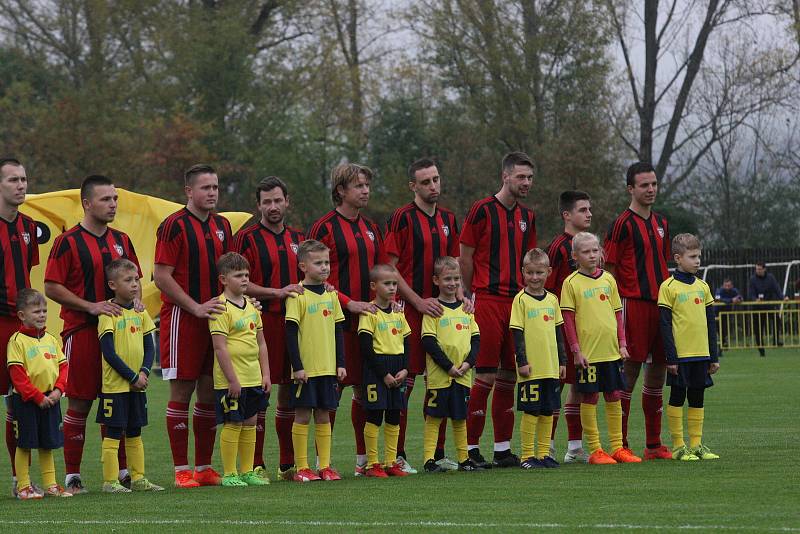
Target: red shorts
{"type": "Point", "coordinates": [280, 370]}
{"type": "Point", "coordinates": [569, 378]}
{"type": "Point", "coordinates": [642, 331]}
{"type": "Point", "coordinates": [185, 345]}
{"type": "Point", "coordinates": [493, 314]}
{"type": "Point", "coordinates": [82, 349]}
{"type": "Point", "coordinates": [8, 326]}
{"type": "Point", "coordinates": [352, 359]}
{"type": "Point", "coordinates": [416, 356]}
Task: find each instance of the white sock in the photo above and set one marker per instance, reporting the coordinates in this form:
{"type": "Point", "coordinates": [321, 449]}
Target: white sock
{"type": "Point", "coordinates": [361, 459]}
{"type": "Point", "coordinates": [181, 468]}
{"type": "Point", "coordinates": [471, 447]}
{"type": "Point", "coordinates": [502, 446]}
{"type": "Point", "coordinates": [575, 444]}
{"type": "Point", "coordinates": [122, 474]}
{"type": "Point", "coordinates": [201, 468]}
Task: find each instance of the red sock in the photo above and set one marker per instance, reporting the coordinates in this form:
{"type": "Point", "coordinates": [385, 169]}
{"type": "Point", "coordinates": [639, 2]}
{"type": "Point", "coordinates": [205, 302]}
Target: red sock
{"type": "Point", "coordinates": [572, 413]}
{"type": "Point", "coordinates": [261, 423]}
{"type": "Point", "coordinates": [652, 405]}
{"type": "Point", "coordinates": [359, 417]}
{"type": "Point", "coordinates": [476, 410]}
{"type": "Point", "coordinates": [74, 438]}
{"type": "Point", "coordinates": [204, 424]}
{"type": "Point", "coordinates": [284, 419]}
{"type": "Point", "coordinates": [556, 413]}
{"type": "Point", "coordinates": [625, 400]}
{"type": "Point", "coordinates": [503, 410]}
{"type": "Point", "coordinates": [11, 441]}
{"type": "Point", "coordinates": [442, 433]}
{"type": "Point", "coordinates": [178, 432]}
{"type": "Point", "coordinates": [121, 455]}
{"type": "Point", "coordinates": [401, 439]}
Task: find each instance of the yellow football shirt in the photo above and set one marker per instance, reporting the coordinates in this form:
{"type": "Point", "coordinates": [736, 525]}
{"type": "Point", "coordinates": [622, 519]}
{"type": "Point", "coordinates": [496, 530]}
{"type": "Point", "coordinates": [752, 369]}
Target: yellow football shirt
{"type": "Point", "coordinates": [387, 330]}
{"type": "Point", "coordinates": [239, 324]}
{"type": "Point", "coordinates": [39, 357]}
{"type": "Point", "coordinates": [595, 301]}
{"type": "Point", "coordinates": [316, 317]}
{"type": "Point", "coordinates": [688, 303]}
{"type": "Point", "coordinates": [128, 330]}
{"type": "Point", "coordinates": [538, 320]}
{"type": "Point", "coordinates": [453, 331]}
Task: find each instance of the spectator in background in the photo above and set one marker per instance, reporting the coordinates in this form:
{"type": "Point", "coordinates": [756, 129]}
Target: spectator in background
{"type": "Point", "coordinates": [728, 295]}
{"type": "Point", "coordinates": [764, 287]}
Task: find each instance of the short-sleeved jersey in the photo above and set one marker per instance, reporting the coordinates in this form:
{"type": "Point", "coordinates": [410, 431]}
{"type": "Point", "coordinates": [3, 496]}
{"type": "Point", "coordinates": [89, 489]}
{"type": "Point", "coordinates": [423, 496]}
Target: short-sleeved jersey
{"type": "Point", "coordinates": [417, 240]}
{"type": "Point", "coordinates": [638, 249]}
{"type": "Point", "coordinates": [356, 245]}
{"type": "Point", "coordinates": [387, 330]}
{"type": "Point", "coordinates": [562, 262]}
{"type": "Point", "coordinates": [128, 330]}
{"type": "Point", "coordinates": [239, 325]}
{"type": "Point", "coordinates": [272, 258]}
{"type": "Point", "coordinates": [316, 317]}
{"type": "Point", "coordinates": [19, 251]}
{"type": "Point", "coordinates": [453, 332]}
{"type": "Point", "coordinates": [538, 318]}
{"type": "Point", "coordinates": [688, 303]}
{"type": "Point", "coordinates": [192, 247]}
{"type": "Point", "coordinates": [500, 237]}
{"type": "Point", "coordinates": [78, 260]}
{"type": "Point", "coordinates": [40, 357]}
{"type": "Point", "coordinates": [595, 301]}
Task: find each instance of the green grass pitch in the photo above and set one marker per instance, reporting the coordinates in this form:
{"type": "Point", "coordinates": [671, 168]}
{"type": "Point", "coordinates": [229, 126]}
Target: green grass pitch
{"type": "Point", "coordinates": [751, 421]}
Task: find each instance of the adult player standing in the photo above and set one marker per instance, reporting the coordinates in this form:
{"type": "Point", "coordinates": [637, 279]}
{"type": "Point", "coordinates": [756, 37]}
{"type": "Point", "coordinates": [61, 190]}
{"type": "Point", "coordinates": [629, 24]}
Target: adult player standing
{"type": "Point", "coordinates": [19, 251]}
{"type": "Point", "coordinates": [75, 278]}
{"type": "Point", "coordinates": [497, 233]}
{"type": "Point", "coordinates": [417, 234]}
{"type": "Point", "coordinates": [271, 249]}
{"type": "Point", "coordinates": [188, 244]}
{"type": "Point", "coordinates": [637, 247]}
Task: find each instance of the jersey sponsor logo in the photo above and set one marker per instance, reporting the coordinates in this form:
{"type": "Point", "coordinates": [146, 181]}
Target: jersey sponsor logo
{"type": "Point", "coordinates": [245, 322]}
{"type": "Point", "coordinates": [370, 235]}
{"type": "Point", "coordinates": [327, 308]}
{"type": "Point", "coordinates": [220, 235]}
{"type": "Point", "coordinates": [446, 230]}
{"type": "Point", "coordinates": [523, 225]}
{"type": "Point", "coordinates": [395, 325]}
{"type": "Point", "coordinates": [548, 313]}
{"type": "Point", "coordinates": [460, 323]}
{"type": "Point", "coordinates": [686, 296]}
{"type": "Point", "coordinates": [48, 354]}
{"type": "Point", "coordinates": [294, 247]}
{"type": "Point", "coordinates": [119, 249]}
{"type": "Point", "coordinates": [604, 292]}
{"type": "Point", "coordinates": [26, 237]}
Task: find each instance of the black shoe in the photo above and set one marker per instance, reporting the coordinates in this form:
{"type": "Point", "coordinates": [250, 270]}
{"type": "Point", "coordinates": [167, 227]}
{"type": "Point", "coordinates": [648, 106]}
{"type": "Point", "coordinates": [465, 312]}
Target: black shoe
{"type": "Point", "coordinates": [531, 463]}
{"type": "Point", "coordinates": [126, 481]}
{"type": "Point", "coordinates": [431, 467]}
{"type": "Point", "coordinates": [505, 459]}
{"type": "Point", "coordinates": [469, 465]}
{"type": "Point", "coordinates": [549, 462]}
{"type": "Point", "coordinates": [761, 352]}
{"type": "Point", "coordinates": [438, 454]}
{"type": "Point", "coordinates": [478, 459]}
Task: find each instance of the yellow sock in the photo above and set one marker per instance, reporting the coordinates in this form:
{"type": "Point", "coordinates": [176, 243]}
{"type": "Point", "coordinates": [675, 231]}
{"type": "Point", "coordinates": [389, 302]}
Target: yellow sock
{"type": "Point", "coordinates": [589, 423]}
{"type": "Point", "coordinates": [527, 435]}
{"type": "Point", "coordinates": [110, 460]}
{"type": "Point", "coordinates": [544, 428]}
{"type": "Point", "coordinates": [247, 447]}
{"type": "Point", "coordinates": [430, 436]}
{"type": "Point", "coordinates": [694, 420]}
{"type": "Point", "coordinates": [322, 435]}
{"type": "Point", "coordinates": [22, 463]}
{"type": "Point", "coordinates": [391, 433]}
{"type": "Point", "coordinates": [134, 448]}
{"type": "Point", "coordinates": [229, 447]}
{"type": "Point", "coordinates": [371, 442]}
{"type": "Point", "coordinates": [48, 468]}
{"type": "Point", "coordinates": [614, 422]}
{"type": "Point", "coordinates": [300, 444]}
{"type": "Point", "coordinates": [460, 439]}
{"type": "Point", "coordinates": [675, 423]}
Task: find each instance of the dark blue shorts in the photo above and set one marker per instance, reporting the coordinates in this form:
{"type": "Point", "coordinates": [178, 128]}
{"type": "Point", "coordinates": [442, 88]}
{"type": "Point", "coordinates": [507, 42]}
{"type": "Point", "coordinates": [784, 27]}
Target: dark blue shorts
{"type": "Point", "coordinates": [448, 402]}
{"type": "Point", "coordinates": [539, 397]}
{"type": "Point", "coordinates": [320, 392]}
{"type": "Point", "coordinates": [122, 410]}
{"type": "Point", "coordinates": [604, 376]}
{"type": "Point", "coordinates": [251, 401]}
{"type": "Point", "coordinates": [691, 375]}
{"type": "Point", "coordinates": [377, 396]}
{"type": "Point", "coordinates": [36, 428]}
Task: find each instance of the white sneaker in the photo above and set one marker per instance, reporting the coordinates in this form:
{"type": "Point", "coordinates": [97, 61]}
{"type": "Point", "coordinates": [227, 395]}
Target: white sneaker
{"type": "Point", "coordinates": [405, 467]}
{"type": "Point", "coordinates": [447, 464]}
{"type": "Point", "coordinates": [576, 456]}
{"type": "Point", "coordinates": [360, 470]}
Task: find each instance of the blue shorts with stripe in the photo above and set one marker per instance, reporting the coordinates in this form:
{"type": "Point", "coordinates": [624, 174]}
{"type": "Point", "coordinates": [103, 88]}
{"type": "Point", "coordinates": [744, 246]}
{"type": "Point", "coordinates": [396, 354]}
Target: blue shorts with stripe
{"type": "Point", "coordinates": [605, 377]}
{"type": "Point", "coordinates": [251, 401]}
{"type": "Point", "coordinates": [541, 396]}
{"type": "Point", "coordinates": [448, 402]}
{"type": "Point", "coordinates": [692, 374]}
{"type": "Point", "coordinates": [122, 410]}
{"type": "Point", "coordinates": [34, 427]}
{"type": "Point", "coordinates": [320, 392]}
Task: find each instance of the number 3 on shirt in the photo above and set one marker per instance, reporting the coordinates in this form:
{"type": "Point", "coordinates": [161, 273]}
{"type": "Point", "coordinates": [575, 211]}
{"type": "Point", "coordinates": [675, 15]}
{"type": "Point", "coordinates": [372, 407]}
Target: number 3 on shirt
{"type": "Point", "coordinates": [372, 393]}
{"type": "Point", "coordinates": [588, 375]}
{"type": "Point", "coordinates": [530, 392]}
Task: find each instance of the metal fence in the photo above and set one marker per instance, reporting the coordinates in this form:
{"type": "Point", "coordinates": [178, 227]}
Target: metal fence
{"type": "Point", "coordinates": [758, 325]}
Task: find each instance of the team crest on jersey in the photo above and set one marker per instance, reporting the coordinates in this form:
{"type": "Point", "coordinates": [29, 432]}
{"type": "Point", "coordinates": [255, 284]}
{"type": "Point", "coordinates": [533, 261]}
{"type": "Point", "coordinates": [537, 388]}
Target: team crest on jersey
{"type": "Point", "coordinates": [660, 231]}
{"type": "Point", "coordinates": [119, 249]}
{"type": "Point", "coordinates": [220, 235]}
{"type": "Point", "coordinates": [446, 230]}
{"type": "Point", "coordinates": [370, 235]}
{"type": "Point", "coordinates": [523, 225]}
{"type": "Point", "coordinates": [294, 247]}
{"type": "Point", "coordinates": [26, 237]}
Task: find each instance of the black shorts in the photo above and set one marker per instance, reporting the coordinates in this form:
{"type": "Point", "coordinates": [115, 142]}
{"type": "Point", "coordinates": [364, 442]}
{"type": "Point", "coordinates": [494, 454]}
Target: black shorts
{"type": "Point", "coordinates": [320, 392]}
{"type": "Point", "coordinates": [376, 394]}
{"type": "Point", "coordinates": [448, 402]}
{"type": "Point", "coordinates": [603, 376]}
{"type": "Point", "coordinates": [251, 401]}
{"type": "Point", "coordinates": [541, 396]}
{"type": "Point", "coordinates": [122, 410]}
{"type": "Point", "coordinates": [691, 375]}
{"type": "Point", "coordinates": [36, 428]}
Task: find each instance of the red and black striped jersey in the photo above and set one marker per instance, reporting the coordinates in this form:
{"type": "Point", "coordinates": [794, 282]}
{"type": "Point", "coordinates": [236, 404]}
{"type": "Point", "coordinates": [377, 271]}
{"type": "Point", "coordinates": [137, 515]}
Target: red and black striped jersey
{"type": "Point", "coordinates": [192, 247]}
{"type": "Point", "coordinates": [272, 257]}
{"type": "Point", "coordinates": [356, 245]}
{"type": "Point", "coordinates": [560, 254]}
{"type": "Point", "coordinates": [78, 260]}
{"type": "Point", "coordinates": [418, 240]}
{"type": "Point", "coordinates": [19, 251]}
{"type": "Point", "coordinates": [500, 237]}
{"type": "Point", "coordinates": [638, 249]}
